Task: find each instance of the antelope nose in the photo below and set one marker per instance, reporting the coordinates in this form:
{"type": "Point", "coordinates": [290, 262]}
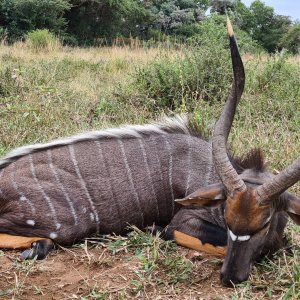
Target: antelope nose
{"type": "Point", "coordinates": [225, 281]}
{"type": "Point", "coordinates": [230, 281]}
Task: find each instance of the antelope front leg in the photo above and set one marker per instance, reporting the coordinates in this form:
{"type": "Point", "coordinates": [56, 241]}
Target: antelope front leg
{"type": "Point", "coordinates": [190, 231]}
{"type": "Point", "coordinates": [35, 246]}
{"type": "Point", "coordinates": [189, 241]}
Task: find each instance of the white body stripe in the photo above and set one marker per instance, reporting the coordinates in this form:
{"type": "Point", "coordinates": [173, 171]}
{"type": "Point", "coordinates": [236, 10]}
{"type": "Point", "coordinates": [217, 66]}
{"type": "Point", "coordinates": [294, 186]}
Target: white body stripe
{"type": "Point", "coordinates": [131, 180]}
{"type": "Point", "coordinates": [1, 193]}
{"type": "Point", "coordinates": [40, 188]}
{"type": "Point", "coordinates": [149, 174]}
{"type": "Point", "coordinates": [210, 165]}
{"type": "Point", "coordinates": [188, 167]}
{"type": "Point", "coordinates": [83, 184]}
{"type": "Point", "coordinates": [241, 238]}
{"type": "Point", "coordinates": [109, 184]}
{"type": "Point", "coordinates": [170, 171]}
{"type": "Point", "coordinates": [62, 188]}
{"type": "Point", "coordinates": [21, 194]}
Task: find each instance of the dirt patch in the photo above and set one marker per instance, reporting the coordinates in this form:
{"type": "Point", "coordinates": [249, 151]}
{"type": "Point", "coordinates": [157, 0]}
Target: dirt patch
{"type": "Point", "coordinates": [96, 273]}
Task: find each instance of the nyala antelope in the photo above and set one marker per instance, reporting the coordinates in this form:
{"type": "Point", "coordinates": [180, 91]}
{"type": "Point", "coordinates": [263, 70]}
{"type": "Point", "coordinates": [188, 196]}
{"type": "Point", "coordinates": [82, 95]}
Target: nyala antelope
{"type": "Point", "coordinates": [101, 181]}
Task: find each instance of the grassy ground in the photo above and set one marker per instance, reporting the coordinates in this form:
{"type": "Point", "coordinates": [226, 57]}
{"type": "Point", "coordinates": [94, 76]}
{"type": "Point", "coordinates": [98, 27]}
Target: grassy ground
{"type": "Point", "coordinates": [44, 95]}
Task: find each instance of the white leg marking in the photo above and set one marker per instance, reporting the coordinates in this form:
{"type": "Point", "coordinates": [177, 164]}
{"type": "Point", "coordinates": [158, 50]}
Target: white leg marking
{"type": "Point", "coordinates": [83, 184]}
{"type": "Point", "coordinates": [131, 180]}
{"type": "Point", "coordinates": [40, 188]}
{"type": "Point", "coordinates": [21, 194]}
{"type": "Point", "coordinates": [62, 188]}
{"type": "Point", "coordinates": [170, 172]}
{"type": "Point", "coordinates": [149, 174]}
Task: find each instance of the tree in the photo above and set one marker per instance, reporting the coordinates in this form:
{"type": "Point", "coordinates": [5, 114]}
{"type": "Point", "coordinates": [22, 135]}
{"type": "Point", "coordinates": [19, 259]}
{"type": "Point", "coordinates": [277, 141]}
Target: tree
{"type": "Point", "coordinates": [291, 40]}
{"type": "Point", "coordinates": [261, 22]}
{"type": "Point", "coordinates": [221, 6]}
{"type": "Point", "coordinates": [169, 16]}
{"type": "Point", "coordinates": [91, 19]}
{"type": "Point", "coordinates": [21, 16]}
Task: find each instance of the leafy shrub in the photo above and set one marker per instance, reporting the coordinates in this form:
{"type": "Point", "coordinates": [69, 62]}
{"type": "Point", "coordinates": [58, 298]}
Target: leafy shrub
{"type": "Point", "coordinates": [42, 39]}
{"type": "Point", "coordinates": [203, 71]}
{"type": "Point", "coordinates": [278, 82]}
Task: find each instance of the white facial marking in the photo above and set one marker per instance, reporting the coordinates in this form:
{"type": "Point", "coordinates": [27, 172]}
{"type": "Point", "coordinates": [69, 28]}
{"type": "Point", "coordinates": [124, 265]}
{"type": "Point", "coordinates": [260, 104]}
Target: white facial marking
{"type": "Point", "coordinates": [232, 235]}
{"type": "Point", "coordinates": [58, 225]}
{"type": "Point", "coordinates": [23, 198]}
{"type": "Point", "coordinates": [243, 238]}
{"type": "Point", "coordinates": [30, 222]}
{"type": "Point", "coordinates": [53, 235]}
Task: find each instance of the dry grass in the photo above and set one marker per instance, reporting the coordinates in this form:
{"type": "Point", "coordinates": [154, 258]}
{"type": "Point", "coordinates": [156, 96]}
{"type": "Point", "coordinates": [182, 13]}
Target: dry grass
{"type": "Point", "coordinates": [22, 51]}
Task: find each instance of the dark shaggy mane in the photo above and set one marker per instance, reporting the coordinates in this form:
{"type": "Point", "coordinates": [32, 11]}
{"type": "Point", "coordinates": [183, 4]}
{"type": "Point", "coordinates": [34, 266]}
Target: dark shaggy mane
{"type": "Point", "coordinates": [254, 159]}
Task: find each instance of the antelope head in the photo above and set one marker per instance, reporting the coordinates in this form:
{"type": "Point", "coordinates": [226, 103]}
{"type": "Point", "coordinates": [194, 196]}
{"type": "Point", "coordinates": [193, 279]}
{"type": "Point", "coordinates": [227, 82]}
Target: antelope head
{"type": "Point", "coordinates": [252, 199]}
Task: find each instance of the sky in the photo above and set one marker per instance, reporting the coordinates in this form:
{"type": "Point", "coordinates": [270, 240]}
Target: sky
{"type": "Point", "coordinates": [282, 7]}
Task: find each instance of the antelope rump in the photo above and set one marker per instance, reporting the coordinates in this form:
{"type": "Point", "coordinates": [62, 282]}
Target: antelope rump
{"type": "Point", "coordinates": [101, 181]}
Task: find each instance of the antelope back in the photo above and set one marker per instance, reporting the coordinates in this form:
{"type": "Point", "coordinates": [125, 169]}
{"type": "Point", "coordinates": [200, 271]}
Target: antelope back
{"type": "Point", "coordinates": [102, 182]}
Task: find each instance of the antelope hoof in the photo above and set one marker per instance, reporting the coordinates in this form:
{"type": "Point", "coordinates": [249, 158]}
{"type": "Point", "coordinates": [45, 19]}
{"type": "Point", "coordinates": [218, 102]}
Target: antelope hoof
{"type": "Point", "coordinates": [39, 250]}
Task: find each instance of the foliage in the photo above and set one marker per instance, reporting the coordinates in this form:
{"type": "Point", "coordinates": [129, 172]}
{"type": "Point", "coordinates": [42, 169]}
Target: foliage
{"type": "Point", "coordinates": [291, 40]}
{"type": "Point", "coordinates": [100, 22]}
{"type": "Point", "coordinates": [222, 6]}
{"type": "Point", "coordinates": [91, 20]}
{"type": "Point", "coordinates": [169, 16]}
{"type": "Point", "coordinates": [172, 81]}
{"type": "Point", "coordinates": [22, 16]}
{"type": "Point", "coordinates": [42, 39]}
{"type": "Point", "coordinates": [262, 23]}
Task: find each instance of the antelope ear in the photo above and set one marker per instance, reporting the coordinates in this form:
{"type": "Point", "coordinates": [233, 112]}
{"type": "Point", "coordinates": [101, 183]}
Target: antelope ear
{"type": "Point", "coordinates": [291, 205]}
{"type": "Point", "coordinates": [211, 195]}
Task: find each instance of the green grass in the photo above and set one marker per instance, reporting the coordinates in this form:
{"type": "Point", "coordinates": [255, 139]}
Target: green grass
{"type": "Point", "coordinates": [45, 95]}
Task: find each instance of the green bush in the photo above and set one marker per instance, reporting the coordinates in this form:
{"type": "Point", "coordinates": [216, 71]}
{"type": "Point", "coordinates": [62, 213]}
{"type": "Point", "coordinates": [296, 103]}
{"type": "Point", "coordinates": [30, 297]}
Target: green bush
{"type": "Point", "coordinates": [203, 71]}
{"type": "Point", "coordinates": [42, 39]}
{"type": "Point", "coordinates": [278, 84]}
